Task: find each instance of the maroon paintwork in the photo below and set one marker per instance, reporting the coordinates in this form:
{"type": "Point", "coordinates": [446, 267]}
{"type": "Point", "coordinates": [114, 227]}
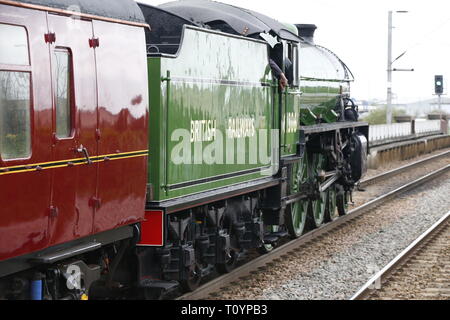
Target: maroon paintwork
{"type": "Point", "coordinates": [110, 110]}
{"type": "Point", "coordinates": [122, 129]}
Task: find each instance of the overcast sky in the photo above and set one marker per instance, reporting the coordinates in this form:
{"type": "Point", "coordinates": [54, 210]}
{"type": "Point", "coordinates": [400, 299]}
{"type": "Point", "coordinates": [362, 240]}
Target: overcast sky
{"type": "Point", "coordinates": [356, 30]}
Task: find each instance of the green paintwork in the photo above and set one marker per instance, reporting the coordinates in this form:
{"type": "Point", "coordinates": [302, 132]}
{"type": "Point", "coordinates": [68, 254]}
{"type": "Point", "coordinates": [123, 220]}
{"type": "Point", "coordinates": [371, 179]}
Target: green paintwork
{"type": "Point", "coordinates": [307, 117]}
{"type": "Point", "coordinates": [290, 123]}
{"type": "Point", "coordinates": [218, 78]}
{"type": "Point", "coordinates": [322, 77]}
{"type": "Point", "coordinates": [215, 81]}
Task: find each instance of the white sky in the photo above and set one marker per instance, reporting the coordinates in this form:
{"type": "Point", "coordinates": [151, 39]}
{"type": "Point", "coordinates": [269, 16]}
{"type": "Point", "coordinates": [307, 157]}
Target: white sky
{"type": "Point", "coordinates": [356, 30]}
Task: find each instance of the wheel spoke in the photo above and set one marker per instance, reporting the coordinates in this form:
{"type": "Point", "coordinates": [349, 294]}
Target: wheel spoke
{"type": "Point", "coordinates": [331, 213]}
{"type": "Point", "coordinates": [342, 200]}
{"type": "Point", "coordinates": [295, 213]}
{"type": "Point", "coordinates": [318, 205]}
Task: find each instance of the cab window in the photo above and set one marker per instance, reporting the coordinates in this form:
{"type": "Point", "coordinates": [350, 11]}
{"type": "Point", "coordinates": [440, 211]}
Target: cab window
{"type": "Point", "coordinates": [291, 64]}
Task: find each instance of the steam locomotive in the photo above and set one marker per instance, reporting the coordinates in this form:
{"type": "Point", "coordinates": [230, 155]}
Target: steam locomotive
{"type": "Point", "coordinates": [143, 148]}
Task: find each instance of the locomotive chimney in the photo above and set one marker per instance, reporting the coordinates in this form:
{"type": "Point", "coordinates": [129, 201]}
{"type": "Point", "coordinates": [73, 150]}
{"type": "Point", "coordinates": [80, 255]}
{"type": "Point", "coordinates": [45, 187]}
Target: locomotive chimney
{"type": "Point", "coordinates": [306, 31]}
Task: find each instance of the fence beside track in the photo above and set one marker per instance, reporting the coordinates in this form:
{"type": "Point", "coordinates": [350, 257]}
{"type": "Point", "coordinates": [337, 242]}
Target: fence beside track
{"type": "Point", "coordinates": [389, 133]}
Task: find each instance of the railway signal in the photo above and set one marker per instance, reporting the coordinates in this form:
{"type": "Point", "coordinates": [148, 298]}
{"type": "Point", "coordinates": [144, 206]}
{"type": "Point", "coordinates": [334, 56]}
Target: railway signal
{"type": "Point", "coordinates": [439, 88]}
{"type": "Point", "coordinates": [439, 85]}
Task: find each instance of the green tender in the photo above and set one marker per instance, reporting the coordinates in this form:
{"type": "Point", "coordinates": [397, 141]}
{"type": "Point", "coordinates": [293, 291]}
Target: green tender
{"type": "Point", "coordinates": [212, 117]}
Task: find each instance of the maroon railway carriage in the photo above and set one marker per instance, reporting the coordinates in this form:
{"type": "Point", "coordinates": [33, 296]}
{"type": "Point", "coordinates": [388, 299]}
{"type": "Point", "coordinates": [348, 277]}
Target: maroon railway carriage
{"type": "Point", "coordinates": [73, 137]}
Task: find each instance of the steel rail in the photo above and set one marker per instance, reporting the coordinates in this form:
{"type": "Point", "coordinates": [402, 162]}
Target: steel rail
{"type": "Point", "coordinates": [282, 252]}
{"type": "Point", "coordinates": [397, 171]}
{"type": "Point", "coordinates": [381, 277]}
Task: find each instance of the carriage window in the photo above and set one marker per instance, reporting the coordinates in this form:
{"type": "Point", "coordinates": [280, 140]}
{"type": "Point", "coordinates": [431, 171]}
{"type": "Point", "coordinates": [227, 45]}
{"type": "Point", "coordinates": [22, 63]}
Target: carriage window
{"type": "Point", "coordinates": [15, 135]}
{"type": "Point", "coordinates": [62, 71]}
{"type": "Point", "coordinates": [13, 45]}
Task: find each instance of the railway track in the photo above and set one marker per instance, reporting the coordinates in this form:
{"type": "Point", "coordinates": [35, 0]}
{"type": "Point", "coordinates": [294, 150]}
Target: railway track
{"type": "Point", "coordinates": [295, 245]}
{"type": "Point", "coordinates": [397, 171]}
{"type": "Point", "coordinates": [421, 271]}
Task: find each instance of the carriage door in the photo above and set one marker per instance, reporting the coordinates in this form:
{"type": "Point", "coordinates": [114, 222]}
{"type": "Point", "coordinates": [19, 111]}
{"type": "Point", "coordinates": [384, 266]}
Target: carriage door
{"type": "Point", "coordinates": [74, 128]}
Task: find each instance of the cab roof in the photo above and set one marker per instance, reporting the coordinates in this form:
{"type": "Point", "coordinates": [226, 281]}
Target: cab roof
{"type": "Point", "coordinates": [242, 21]}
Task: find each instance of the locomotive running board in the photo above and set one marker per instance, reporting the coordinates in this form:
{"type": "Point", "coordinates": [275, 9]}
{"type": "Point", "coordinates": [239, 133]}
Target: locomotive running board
{"type": "Point", "coordinates": [74, 247]}
{"type": "Point", "coordinates": [187, 202]}
{"type": "Point", "coordinates": [326, 127]}
{"type": "Point", "coordinates": [67, 253]}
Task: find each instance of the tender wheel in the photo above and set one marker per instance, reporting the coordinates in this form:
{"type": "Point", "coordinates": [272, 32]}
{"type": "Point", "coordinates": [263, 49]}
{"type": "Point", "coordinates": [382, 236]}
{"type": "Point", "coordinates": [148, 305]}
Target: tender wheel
{"type": "Point", "coordinates": [331, 212]}
{"type": "Point", "coordinates": [342, 201]}
{"type": "Point", "coordinates": [193, 281]}
{"type": "Point", "coordinates": [230, 264]}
